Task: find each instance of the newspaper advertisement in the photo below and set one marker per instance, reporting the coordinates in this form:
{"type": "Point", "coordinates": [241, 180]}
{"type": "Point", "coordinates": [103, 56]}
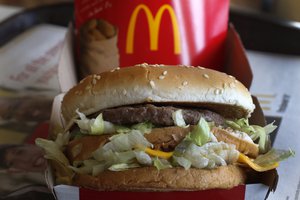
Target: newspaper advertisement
{"type": "Point", "coordinates": [27, 87]}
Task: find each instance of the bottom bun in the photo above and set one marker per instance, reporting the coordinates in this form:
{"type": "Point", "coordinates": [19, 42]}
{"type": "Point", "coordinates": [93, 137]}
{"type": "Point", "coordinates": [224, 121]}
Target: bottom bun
{"type": "Point", "coordinates": [151, 179]}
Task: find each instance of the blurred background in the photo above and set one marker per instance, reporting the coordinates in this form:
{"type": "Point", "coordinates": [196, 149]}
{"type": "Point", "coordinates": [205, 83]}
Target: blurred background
{"type": "Point", "coordinates": [286, 9]}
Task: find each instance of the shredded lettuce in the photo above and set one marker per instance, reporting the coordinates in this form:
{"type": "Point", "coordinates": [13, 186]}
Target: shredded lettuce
{"type": "Point", "coordinates": [209, 155]}
{"type": "Point", "coordinates": [125, 157]}
{"type": "Point", "coordinates": [102, 155]}
{"type": "Point", "coordinates": [99, 126]}
{"type": "Point", "coordinates": [129, 141]}
{"type": "Point", "coordinates": [125, 150]}
{"type": "Point", "coordinates": [161, 163]}
{"type": "Point", "coordinates": [270, 128]}
{"type": "Point", "coordinates": [122, 129]}
{"type": "Point", "coordinates": [54, 149]}
{"type": "Point", "coordinates": [123, 166]}
{"type": "Point", "coordinates": [255, 132]}
{"type": "Point", "coordinates": [183, 162]}
{"type": "Point", "coordinates": [200, 150]}
{"type": "Point", "coordinates": [201, 133]}
{"type": "Point", "coordinates": [93, 126]}
{"type": "Point", "coordinates": [62, 140]}
{"type": "Point", "coordinates": [144, 127]}
{"type": "Point", "coordinates": [177, 117]}
{"type": "Point", "coordinates": [122, 152]}
{"type": "Point", "coordinates": [143, 158]}
{"type": "Point", "coordinates": [273, 156]}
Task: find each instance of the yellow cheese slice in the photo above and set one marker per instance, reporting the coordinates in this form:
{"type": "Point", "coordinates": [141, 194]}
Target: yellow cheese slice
{"type": "Point", "coordinates": [246, 160]}
{"type": "Point", "coordinates": [158, 153]}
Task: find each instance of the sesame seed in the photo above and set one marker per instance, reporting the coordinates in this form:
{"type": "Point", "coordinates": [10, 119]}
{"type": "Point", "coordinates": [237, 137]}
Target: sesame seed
{"type": "Point", "coordinates": [94, 81]}
{"type": "Point", "coordinates": [184, 83]}
{"type": "Point", "coordinates": [98, 77]}
{"type": "Point", "coordinates": [161, 65]}
{"type": "Point", "coordinates": [205, 76]}
{"type": "Point", "coordinates": [218, 91]}
{"type": "Point", "coordinates": [161, 77]}
{"type": "Point", "coordinates": [144, 64]}
{"type": "Point", "coordinates": [165, 73]}
{"type": "Point", "coordinates": [230, 76]}
{"type": "Point", "coordinates": [235, 81]}
{"type": "Point", "coordinates": [152, 84]}
{"type": "Point", "coordinates": [148, 99]}
{"type": "Point", "coordinates": [124, 92]}
{"type": "Point", "coordinates": [117, 68]}
{"type": "Point", "coordinates": [81, 81]}
{"type": "Point", "coordinates": [232, 85]}
{"type": "Point", "coordinates": [88, 87]}
{"type": "Point", "coordinates": [200, 67]}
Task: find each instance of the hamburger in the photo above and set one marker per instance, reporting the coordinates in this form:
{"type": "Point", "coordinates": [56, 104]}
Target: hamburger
{"type": "Point", "coordinates": [159, 128]}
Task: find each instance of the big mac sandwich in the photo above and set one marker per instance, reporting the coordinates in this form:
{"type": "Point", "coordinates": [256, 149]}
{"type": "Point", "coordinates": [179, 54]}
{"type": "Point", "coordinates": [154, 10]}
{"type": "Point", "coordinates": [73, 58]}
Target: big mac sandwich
{"type": "Point", "coordinates": [159, 128]}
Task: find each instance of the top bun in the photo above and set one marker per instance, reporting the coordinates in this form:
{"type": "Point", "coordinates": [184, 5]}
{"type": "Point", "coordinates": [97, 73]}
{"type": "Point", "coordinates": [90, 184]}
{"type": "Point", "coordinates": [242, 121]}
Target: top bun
{"type": "Point", "coordinates": [181, 85]}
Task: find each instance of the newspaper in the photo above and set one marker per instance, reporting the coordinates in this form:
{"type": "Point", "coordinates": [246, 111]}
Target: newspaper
{"type": "Point", "coordinates": [28, 83]}
{"type": "Point", "coordinates": [276, 84]}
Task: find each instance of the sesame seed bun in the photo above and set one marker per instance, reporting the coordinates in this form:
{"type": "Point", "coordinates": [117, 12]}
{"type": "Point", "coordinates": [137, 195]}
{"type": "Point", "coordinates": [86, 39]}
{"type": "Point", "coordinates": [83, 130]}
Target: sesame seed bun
{"type": "Point", "coordinates": [181, 85]}
{"type": "Point", "coordinates": [163, 85]}
{"type": "Point", "coordinates": [173, 179]}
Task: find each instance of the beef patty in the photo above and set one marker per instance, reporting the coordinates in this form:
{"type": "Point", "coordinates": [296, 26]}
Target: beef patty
{"type": "Point", "coordinates": [157, 115]}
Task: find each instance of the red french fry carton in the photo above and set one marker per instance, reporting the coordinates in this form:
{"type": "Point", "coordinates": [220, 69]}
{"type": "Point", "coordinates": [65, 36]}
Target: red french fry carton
{"type": "Point", "coordinates": [115, 33]}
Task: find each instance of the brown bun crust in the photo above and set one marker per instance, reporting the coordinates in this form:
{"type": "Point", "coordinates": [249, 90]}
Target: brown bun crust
{"type": "Point", "coordinates": [192, 86]}
{"type": "Point", "coordinates": [151, 179]}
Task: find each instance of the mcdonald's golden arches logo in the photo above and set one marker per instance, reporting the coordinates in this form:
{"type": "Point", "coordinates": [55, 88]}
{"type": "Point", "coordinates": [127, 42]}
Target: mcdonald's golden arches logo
{"type": "Point", "coordinates": [154, 26]}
